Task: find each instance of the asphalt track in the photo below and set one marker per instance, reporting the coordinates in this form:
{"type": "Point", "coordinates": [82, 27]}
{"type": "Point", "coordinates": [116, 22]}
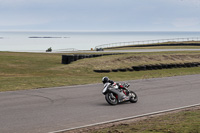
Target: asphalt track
{"type": "Point", "coordinates": [52, 109]}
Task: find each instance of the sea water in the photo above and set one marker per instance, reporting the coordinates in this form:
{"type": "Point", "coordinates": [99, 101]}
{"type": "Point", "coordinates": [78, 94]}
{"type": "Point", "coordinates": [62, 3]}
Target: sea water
{"type": "Point", "coordinates": [83, 40]}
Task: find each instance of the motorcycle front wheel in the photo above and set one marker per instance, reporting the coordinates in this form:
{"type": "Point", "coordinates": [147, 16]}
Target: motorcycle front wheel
{"type": "Point", "coordinates": [134, 97]}
{"type": "Point", "coordinates": [111, 99]}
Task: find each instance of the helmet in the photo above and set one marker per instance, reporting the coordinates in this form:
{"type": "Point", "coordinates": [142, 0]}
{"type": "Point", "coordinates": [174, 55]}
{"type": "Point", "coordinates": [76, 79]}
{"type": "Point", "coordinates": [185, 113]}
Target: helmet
{"type": "Point", "coordinates": [105, 79]}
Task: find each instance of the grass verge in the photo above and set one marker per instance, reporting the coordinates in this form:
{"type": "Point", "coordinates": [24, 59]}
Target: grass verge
{"type": "Point", "coordinates": [20, 71]}
{"type": "Point", "coordinates": [186, 121]}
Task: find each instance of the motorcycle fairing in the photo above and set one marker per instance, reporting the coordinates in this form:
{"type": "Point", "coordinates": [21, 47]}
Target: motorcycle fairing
{"type": "Point", "coordinates": [106, 87]}
{"type": "Point", "coordinates": [120, 95]}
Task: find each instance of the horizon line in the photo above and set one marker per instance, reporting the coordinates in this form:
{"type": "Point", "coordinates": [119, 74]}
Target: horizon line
{"type": "Point", "coordinates": [97, 31]}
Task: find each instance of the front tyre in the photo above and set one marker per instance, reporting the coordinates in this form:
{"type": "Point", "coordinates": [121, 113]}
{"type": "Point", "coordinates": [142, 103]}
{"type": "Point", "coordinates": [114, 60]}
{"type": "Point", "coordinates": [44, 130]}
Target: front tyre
{"type": "Point", "coordinates": [134, 97]}
{"type": "Point", "coordinates": [111, 99]}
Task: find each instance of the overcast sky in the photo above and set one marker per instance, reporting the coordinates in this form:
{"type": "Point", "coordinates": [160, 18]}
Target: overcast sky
{"type": "Point", "coordinates": [100, 15]}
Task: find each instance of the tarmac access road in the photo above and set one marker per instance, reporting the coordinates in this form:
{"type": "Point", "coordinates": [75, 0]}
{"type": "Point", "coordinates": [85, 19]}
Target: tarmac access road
{"type": "Point", "coordinates": [52, 109]}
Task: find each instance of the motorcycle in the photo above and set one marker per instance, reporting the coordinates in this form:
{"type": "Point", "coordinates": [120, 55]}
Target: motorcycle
{"type": "Point", "coordinates": [114, 94]}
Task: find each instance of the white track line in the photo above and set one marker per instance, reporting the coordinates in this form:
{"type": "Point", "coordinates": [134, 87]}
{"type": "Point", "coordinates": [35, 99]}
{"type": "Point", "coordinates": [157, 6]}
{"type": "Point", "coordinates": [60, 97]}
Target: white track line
{"type": "Point", "coordinates": [127, 118]}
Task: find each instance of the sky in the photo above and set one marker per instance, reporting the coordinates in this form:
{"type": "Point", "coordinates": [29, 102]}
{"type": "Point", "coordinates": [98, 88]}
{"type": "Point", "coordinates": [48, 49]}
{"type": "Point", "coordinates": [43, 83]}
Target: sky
{"type": "Point", "coordinates": [100, 15]}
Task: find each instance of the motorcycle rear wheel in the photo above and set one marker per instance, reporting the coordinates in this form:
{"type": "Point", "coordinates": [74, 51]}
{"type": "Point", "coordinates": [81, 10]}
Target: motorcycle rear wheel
{"type": "Point", "coordinates": [111, 99]}
{"type": "Point", "coordinates": [134, 98]}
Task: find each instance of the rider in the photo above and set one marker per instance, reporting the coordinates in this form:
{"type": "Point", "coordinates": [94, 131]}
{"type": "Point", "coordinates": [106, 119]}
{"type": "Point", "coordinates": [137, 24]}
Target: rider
{"type": "Point", "coordinates": [106, 80]}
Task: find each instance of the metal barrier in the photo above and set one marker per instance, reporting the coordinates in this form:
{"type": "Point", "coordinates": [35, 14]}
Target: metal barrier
{"type": "Point", "coordinates": [146, 42]}
{"type": "Point", "coordinates": [67, 49]}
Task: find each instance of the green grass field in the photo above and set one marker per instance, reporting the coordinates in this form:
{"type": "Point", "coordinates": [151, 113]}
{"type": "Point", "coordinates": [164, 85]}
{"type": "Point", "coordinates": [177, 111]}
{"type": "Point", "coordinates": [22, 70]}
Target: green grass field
{"type": "Point", "coordinates": [20, 71]}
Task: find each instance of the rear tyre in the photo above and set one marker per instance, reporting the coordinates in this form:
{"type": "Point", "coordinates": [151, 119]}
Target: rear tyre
{"type": "Point", "coordinates": [134, 98]}
{"type": "Point", "coordinates": [111, 99]}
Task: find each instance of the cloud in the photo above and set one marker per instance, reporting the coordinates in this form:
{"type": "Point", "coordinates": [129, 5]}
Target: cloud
{"type": "Point", "coordinates": [22, 3]}
{"type": "Point", "coordinates": [22, 20]}
{"type": "Point", "coordinates": [186, 3]}
{"type": "Point", "coordinates": [99, 14]}
{"type": "Point", "coordinates": [186, 22]}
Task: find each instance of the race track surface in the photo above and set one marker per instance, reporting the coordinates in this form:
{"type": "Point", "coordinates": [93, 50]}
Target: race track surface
{"type": "Point", "coordinates": [52, 109]}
